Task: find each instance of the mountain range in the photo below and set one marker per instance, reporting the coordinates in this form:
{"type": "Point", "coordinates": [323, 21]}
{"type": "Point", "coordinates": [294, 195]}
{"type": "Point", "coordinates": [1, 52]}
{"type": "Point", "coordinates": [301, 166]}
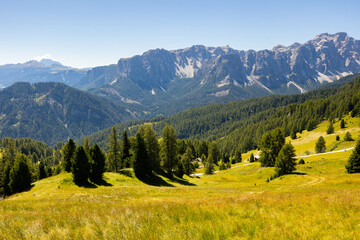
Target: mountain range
{"type": "Point", "coordinates": [45, 70]}
{"type": "Point", "coordinates": [165, 82]}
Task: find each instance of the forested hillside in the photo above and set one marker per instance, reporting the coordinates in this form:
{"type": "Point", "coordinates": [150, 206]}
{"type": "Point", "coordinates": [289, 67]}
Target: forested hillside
{"type": "Point", "coordinates": [52, 112]}
{"type": "Point", "coordinates": [240, 124]}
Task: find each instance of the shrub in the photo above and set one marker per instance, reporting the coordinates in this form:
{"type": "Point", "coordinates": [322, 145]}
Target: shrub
{"type": "Point", "coordinates": [348, 137]}
{"type": "Point", "coordinates": [337, 137]}
{"type": "Point", "coordinates": [301, 161]}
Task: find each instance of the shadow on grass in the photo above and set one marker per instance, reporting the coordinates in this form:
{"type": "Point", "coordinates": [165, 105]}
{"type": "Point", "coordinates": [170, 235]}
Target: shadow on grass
{"type": "Point", "coordinates": [181, 181]}
{"type": "Point", "coordinates": [86, 185]}
{"type": "Point", "coordinates": [155, 180]}
{"type": "Point", "coordinates": [298, 173]}
{"type": "Point", "coordinates": [126, 172]}
{"type": "Point", "coordinates": [103, 182]}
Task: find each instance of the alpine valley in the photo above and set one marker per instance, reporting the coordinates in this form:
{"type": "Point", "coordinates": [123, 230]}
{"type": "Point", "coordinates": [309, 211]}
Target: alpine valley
{"type": "Point", "coordinates": [161, 82]}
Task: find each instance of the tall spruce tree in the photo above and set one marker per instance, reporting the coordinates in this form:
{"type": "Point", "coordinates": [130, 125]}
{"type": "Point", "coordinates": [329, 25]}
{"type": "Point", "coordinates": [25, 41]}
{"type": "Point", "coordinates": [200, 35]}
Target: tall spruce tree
{"type": "Point", "coordinates": [285, 162]}
{"type": "Point", "coordinates": [80, 166]}
{"type": "Point", "coordinates": [238, 157]}
{"type": "Point", "coordinates": [342, 123]}
{"type": "Point", "coordinates": [186, 161]}
{"type": "Point", "coordinates": [87, 144]}
{"type": "Point", "coordinates": [142, 167]}
{"type": "Point", "coordinates": [353, 163]}
{"type": "Point", "coordinates": [126, 146]}
{"type": "Point", "coordinates": [114, 153]}
{"type": "Point", "coordinates": [168, 150]}
{"type": "Point", "coordinates": [209, 165]}
{"type": "Point", "coordinates": [214, 151]}
{"type": "Point", "coordinates": [330, 128]}
{"type": "Point", "coordinates": [320, 145]}
{"type": "Point", "coordinates": [20, 176]}
{"type": "Point", "coordinates": [67, 153]}
{"type": "Point", "coordinates": [271, 144]}
{"type": "Point", "coordinates": [97, 164]}
{"type": "Point", "coordinates": [42, 171]}
{"type": "Point", "coordinates": [152, 148]}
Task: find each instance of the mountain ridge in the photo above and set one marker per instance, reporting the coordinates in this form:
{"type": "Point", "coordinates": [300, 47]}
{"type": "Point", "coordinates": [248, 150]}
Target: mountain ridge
{"type": "Point", "coordinates": [199, 75]}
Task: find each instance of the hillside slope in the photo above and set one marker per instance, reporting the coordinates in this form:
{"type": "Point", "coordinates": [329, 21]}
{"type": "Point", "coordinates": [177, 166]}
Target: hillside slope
{"type": "Point", "coordinates": [240, 124]}
{"type": "Point", "coordinates": [52, 112]}
{"type": "Point", "coordinates": [234, 203]}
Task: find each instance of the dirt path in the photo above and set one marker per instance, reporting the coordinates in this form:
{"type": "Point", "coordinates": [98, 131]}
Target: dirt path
{"type": "Point", "coordinates": [199, 174]}
{"type": "Point", "coordinates": [343, 150]}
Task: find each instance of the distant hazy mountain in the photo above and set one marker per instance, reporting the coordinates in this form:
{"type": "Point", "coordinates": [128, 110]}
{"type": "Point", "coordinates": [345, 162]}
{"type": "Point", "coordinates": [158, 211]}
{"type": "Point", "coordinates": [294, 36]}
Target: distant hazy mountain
{"type": "Point", "coordinates": [46, 70]}
{"type": "Point", "coordinates": [53, 112]}
{"type": "Point", "coordinates": [169, 81]}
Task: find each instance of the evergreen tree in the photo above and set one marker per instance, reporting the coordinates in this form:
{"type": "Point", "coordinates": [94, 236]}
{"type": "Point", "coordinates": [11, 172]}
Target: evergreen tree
{"type": "Point", "coordinates": [5, 180]}
{"type": "Point", "coordinates": [87, 144]}
{"type": "Point", "coordinates": [293, 134]}
{"type": "Point", "coordinates": [271, 144]}
{"type": "Point", "coordinates": [186, 161]}
{"type": "Point", "coordinates": [285, 162]}
{"type": "Point", "coordinates": [152, 148]}
{"type": "Point", "coordinates": [342, 123]}
{"type": "Point", "coordinates": [330, 128]}
{"type": "Point", "coordinates": [252, 158]}
{"type": "Point", "coordinates": [214, 151]}
{"type": "Point", "coordinates": [320, 145]}
{"type": "Point", "coordinates": [49, 172]}
{"type": "Point", "coordinates": [42, 172]}
{"type": "Point", "coordinates": [114, 155]}
{"type": "Point", "coordinates": [348, 137]}
{"type": "Point", "coordinates": [80, 166]}
{"type": "Point", "coordinates": [353, 163]}
{"type": "Point", "coordinates": [125, 154]}
{"type": "Point", "coordinates": [20, 176]}
{"type": "Point", "coordinates": [209, 165]}
{"type": "Point", "coordinates": [238, 157]}
{"type": "Point", "coordinates": [168, 150]}
{"type": "Point", "coordinates": [97, 164]}
{"type": "Point", "coordinates": [310, 125]}
{"type": "Point", "coordinates": [67, 153]}
{"type": "Point", "coordinates": [337, 137]}
{"type": "Point", "coordinates": [141, 164]}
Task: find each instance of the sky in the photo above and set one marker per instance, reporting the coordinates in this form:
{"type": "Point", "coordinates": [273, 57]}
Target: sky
{"type": "Point", "coordinates": [89, 33]}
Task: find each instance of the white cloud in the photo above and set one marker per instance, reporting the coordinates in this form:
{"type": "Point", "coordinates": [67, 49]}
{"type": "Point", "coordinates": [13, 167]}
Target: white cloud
{"type": "Point", "coordinates": [45, 56]}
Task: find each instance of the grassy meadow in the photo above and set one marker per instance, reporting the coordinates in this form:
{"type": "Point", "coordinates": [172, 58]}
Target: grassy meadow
{"type": "Point", "coordinates": [319, 201]}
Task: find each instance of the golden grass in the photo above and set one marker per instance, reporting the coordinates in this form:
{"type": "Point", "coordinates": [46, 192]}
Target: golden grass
{"type": "Point", "coordinates": [321, 201]}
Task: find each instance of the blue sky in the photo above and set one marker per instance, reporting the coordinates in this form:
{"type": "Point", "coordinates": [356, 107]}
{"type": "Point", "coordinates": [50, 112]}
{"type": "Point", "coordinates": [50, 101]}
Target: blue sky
{"type": "Point", "coordinates": [93, 33]}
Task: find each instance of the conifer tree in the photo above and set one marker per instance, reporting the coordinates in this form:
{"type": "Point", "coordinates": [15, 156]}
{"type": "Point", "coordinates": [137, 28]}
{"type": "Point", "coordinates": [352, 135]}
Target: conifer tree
{"type": "Point", "coordinates": [238, 157]}
{"type": "Point", "coordinates": [125, 155]}
{"type": "Point", "coordinates": [330, 128]}
{"type": "Point", "coordinates": [186, 161]}
{"type": "Point", "coordinates": [320, 145]}
{"type": "Point", "coordinates": [285, 162]}
{"type": "Point", "coordinates": [168, 149]}
{"type": "Point", "coordinates": [97, 164]}
{"type": "Point", "coordinates": [271, 144]}
{"type": "Point", "coordinates": [348, 137]}
{"type": "Point", "coordinates": [214, 151]}
{"type": "Point", "coordinates": [252, 158]}
{"type": "Point", "coordinates": [20, 176]}
{"type": "Point", "coordinates": [42, 172]}
{"type": "Point", "coordinates": [114, 156]}
{"type": "Point", "coordinates": [209, 165]}
{"type": "Point", "coordinates": [342, 123]}
{"type": "Point", "coordinates": [152, 148]}
{"type": "Point", "coordinates": [353, 163]}
{"type": "Point", "coordinates": [80, 166]}
{"type": "Point", "coordinates": [67, 153]}
{"type": "Point", "coordinates": [87, 144]}
{"type": "Point", "coordinates": [5, 180]}
{"type": "Point", "coordinates": [141, 164]}
{"type": "Point", "coordinates": [293, 134]}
